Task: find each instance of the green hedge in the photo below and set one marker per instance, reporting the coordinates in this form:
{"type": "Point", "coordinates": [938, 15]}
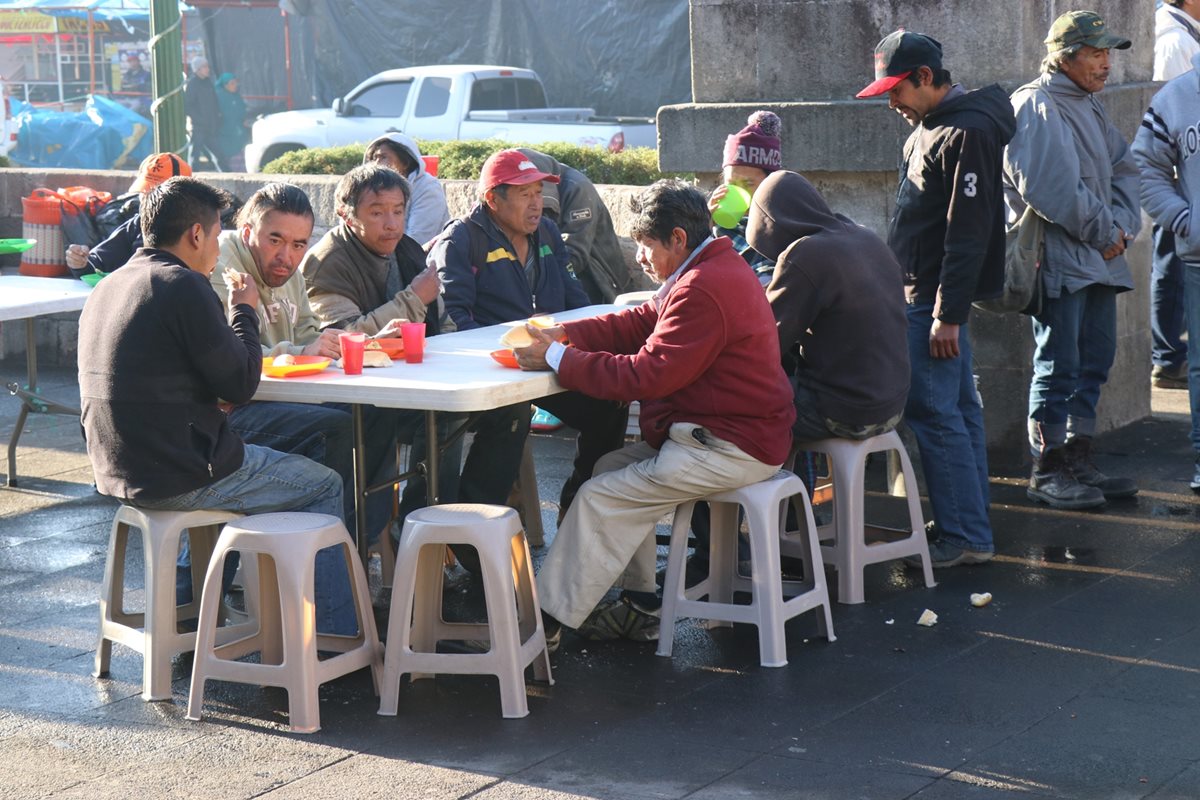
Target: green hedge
{"type": "Point", "coordinates": [462, 160]}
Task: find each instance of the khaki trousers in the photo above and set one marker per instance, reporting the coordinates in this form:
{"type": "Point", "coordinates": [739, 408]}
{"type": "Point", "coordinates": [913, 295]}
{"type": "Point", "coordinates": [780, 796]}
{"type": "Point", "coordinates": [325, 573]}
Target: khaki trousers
{"type": "Point", "coordinates": [607, 536]}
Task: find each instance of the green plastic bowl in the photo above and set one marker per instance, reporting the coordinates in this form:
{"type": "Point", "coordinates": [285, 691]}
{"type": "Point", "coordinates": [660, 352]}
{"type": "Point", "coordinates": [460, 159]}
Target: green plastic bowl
{"type": "Point", "coordinates": [91, 279]}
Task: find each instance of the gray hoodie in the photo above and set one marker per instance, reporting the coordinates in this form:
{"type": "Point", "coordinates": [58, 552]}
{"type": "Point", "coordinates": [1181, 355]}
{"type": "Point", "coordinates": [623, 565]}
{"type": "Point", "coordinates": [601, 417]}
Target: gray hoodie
{"type": "Point", "coordinates": [1071, 164]}
{"type": "Point", "coordinates": [1165, 147]}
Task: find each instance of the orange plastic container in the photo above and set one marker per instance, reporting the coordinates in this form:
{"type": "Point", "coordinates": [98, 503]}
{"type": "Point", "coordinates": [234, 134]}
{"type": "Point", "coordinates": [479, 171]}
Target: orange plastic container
{"type": "Point", "coordinates": [42, 220]}
{"type": "Point", "coordinates": [431, 164]}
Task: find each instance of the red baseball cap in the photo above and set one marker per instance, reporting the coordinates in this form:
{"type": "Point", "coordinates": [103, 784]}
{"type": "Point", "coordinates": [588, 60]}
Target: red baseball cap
{"type": "Point", "coordinates": [897, 56]}
{"type": "Point", "coordinates": [511, 167]}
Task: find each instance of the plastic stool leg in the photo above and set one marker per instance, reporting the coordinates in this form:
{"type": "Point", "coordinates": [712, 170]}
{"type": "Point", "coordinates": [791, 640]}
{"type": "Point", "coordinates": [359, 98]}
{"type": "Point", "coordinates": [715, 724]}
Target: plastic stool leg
{"type": "Point", "coordinates": [529, 615]}
{"type": "Point", "coordinates": [160, 620]}
{"type": "Point", "coordinates": [916, 518]}
{"type": "Point", "coordinates": [298, 611]}
{"type": "Point", "coordinates": [673, 585]}
{"type": "Point", "coordinates": [499, 591]}
{"type": "Point", "coordinates": [399, 625]}
{"type": "Point", "coordinates": [851, 532]}
{"type": "Point", "coordinates": [768, 592]}
{"type": "Point", "coordinates": [206, 634]}
{"type": "Point", "coordinates": [111, 594]}
{"type": "Point", "coordinates": [814, 568]}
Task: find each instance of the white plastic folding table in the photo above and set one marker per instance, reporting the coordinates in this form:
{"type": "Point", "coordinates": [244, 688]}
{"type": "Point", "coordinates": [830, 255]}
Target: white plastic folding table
{"type": "Point", "coordinates": [26, 298]}
{"type": "Point", "coordinates": [457, 375]}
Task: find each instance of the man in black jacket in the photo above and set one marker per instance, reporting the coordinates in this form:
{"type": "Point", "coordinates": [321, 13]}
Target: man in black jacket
{"type": "Point", "coordinates": [155, 353]}
{"type": "Point", "coordinates": [948, 235]}
{"type": "Point", "coordinates": [200, 102]}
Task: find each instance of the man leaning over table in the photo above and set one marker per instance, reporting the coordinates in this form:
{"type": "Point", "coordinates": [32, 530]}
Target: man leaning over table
{"type": "Point", "coordinates": [502, 262]}
{"type": "Point", "coordinates": [366, 275]}
{"type": "Point", "coordinates": [703, 359]}
{"type": "Point", "coordinates": [156, 351]}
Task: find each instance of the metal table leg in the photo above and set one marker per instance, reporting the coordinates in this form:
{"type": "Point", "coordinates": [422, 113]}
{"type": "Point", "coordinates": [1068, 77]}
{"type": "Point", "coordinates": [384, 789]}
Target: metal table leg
{"type": "Point", "coordinates": [30, 400]}
{"type": "Point", "coordinates": [360, 481]}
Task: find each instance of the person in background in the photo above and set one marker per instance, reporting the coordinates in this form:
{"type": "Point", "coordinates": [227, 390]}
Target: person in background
{"type": "Point", "coordinates": [200, 103]}
{"type": "Point", "coordinates": [750, 156]}
{"type": "Point", "coordinates": [126, 236]}
{"type": "Point", "coordinates": [1176, 42]}
{"type": "Point", "coordinates": [594, 253]}
{"type": "Point", "coordinates": [233, 133]}
{"type": "Point", "coordinates": [1072, 165]}
{"type": "Point", "coordinates": [426, 212]}
{"type": "Point", "coordinates": [136, 85]}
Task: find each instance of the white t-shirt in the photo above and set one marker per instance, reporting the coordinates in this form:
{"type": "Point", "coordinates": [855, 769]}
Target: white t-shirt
{"type": "Point", "coordinates": [1176, 41]}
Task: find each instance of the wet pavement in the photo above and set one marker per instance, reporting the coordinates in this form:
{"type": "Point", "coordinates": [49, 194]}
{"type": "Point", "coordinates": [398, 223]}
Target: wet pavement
{"type": "Point", "coordinates": [1081, 679]}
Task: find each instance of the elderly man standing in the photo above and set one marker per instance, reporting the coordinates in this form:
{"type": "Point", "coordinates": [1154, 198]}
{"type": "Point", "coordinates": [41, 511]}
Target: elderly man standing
{"type": "Point", "coordinates": [502, 262]}
{"type": "Point", "coordinates": [1070, 163]}
{"type": "Point", "coordinates": [948, 235]}
{"type": "Point", "coordinates": [703, 359]}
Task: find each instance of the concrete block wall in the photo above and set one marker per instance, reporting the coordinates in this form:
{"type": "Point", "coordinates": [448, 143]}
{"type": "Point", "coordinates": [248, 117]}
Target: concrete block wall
{"type": "Point", "coordinates": [805, 60]}
{"type": "Point", "coordinates": [57, 335]}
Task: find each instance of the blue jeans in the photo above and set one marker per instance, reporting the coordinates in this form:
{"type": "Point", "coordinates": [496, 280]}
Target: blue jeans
{"type": "Point", "coordinates": [272, 481]}
{"type": "Point", "coordinates": [1191, 294]}
{"type": "Point", "coordinates": [1075, 341]}
{"type": "Point", "coordinates": [944, 413]}
{"type": "Point", "coordinates": [1166, 301]}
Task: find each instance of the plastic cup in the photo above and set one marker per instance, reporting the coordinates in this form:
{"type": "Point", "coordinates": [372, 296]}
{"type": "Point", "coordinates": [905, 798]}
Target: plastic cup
{"type": "Point", "coordinates": [352, 352]}
{"type": "Point", "coordinates": [413, 334]}
{"type": "Point", "coordinates": [732, 207]}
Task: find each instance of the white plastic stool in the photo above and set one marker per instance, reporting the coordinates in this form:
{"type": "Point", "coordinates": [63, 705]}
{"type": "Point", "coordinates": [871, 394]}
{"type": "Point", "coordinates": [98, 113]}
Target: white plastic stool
{"type": "Point", "coordinates": [514, 622]}
{"type": "Point", "coordinates": [286, 544]}
{"type": "Point", "coordinates": [849, 550]}
{"type": "Point", "coordinates": [154, 633]}
{"type": "Point", "coordinates": [766, 509]}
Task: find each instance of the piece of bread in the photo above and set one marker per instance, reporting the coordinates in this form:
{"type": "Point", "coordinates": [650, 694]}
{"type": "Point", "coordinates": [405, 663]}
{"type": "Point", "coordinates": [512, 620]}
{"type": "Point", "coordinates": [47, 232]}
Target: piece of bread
{"type": "Point", "coordinates": [284, 360]}
{"type": "Point", "coordinates": [517, 336]}
{"type": "Point", "coordinates": [376, 358]}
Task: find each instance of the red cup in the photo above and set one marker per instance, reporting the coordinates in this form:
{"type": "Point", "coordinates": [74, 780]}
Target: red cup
{"type": "Point", "coordinates": [352, 352]}
{"type": "Point", "coordinates": [413, 334]}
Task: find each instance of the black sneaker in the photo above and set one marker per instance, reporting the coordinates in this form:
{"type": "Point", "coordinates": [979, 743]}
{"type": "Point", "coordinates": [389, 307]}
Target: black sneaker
{"type": "Point", "coordinates": [1078, 454]}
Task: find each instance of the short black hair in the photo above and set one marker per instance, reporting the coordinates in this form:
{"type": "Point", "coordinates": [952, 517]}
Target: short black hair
{"type": "Point", "coordinates": [669, 204]}
{"type": "Point", "coordinates": [401, 152]}
{"type": "Point", "coordinates": [282, 197]}
{"type": "Point", "coordinates": [941, 77]}
{"type": "Point", "coordinates": [368, 177]}
{"type": "Point", "coordinates": [175, 205]}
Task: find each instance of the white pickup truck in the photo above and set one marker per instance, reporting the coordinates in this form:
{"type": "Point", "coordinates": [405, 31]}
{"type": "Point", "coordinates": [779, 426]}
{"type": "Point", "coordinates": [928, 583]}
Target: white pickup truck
{"type": "Point", "coordinates": [444, 103]}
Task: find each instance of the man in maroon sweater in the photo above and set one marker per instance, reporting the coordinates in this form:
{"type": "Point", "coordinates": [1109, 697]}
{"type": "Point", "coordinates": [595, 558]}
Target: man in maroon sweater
{"type": "Point", "coordinates": [702, 357]}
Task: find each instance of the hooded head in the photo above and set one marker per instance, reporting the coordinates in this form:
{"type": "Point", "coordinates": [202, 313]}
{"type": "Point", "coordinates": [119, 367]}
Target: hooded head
{"type": "Point", "coordinates": [398, 151]}
{"type": "Point", "coordinates": [785, 208]}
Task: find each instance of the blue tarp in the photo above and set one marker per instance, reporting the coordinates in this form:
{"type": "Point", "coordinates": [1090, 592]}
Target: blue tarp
{"type": "Point", "coordinates": [105, 135]}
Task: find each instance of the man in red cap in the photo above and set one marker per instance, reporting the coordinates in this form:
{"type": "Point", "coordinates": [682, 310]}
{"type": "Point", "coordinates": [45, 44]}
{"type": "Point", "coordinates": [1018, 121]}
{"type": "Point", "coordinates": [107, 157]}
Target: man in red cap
{"type": "Point", "coordinates": [948, 234]}
{"type": "Point", "coordinates": [504, 262]}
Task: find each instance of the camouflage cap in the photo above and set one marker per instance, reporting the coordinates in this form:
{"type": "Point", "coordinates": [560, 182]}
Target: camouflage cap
{"type": "Point", "coordinates": [1082, 27]}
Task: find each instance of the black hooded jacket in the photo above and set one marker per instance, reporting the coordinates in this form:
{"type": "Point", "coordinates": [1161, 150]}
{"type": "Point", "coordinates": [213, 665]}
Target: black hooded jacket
{"type": "Point", "coordinates": [837, 299]}
{"type": "Point", "coordinates": [948, 227]}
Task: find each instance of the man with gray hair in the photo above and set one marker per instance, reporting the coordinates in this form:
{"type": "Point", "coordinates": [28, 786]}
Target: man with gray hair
{"type": "Point", "coordinates": [1071, 165]}
{"type": "Point", "coordinates": [200, 102]}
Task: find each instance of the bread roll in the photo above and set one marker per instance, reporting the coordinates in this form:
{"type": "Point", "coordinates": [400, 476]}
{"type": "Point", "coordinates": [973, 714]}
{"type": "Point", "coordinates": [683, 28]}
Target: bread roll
{"type": "Point", "coordinates": [284, 360]}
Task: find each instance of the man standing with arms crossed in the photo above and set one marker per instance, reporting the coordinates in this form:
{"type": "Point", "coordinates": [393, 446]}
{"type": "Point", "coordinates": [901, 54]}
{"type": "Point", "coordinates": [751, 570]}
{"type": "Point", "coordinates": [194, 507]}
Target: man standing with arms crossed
{"type": "Point", "coordinates": [948, 235]}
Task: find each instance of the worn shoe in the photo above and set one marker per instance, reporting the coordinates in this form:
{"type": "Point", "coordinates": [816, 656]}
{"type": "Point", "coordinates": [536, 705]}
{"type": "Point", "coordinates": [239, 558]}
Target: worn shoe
{"type": "Point", "coordinates": [1053, 483]}
{"type": "Point", "coordinates": [942, 554]}
{"type": "Point", "coordinates": [1078, 454]}
{"type": "Point", "coordinates": [1195, 484]}
{"type": "Point", "coordinates": [553, 630]}
{"type": "Point", "coordinates": [1169, 377]}
{"type": "Point", "coordinates": [621, 619]}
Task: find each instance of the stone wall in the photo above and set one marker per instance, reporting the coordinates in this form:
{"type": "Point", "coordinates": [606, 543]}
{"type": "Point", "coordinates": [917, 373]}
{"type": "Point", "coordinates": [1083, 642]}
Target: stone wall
{"type": "Point", "coordinates": [805, 60]}
{"type": "Point", "coordinates": [57, 335]}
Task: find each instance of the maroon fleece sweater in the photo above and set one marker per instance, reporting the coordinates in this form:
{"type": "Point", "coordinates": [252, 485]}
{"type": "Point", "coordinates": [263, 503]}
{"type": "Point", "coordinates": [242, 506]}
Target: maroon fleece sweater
{"type": "Point", "coordinates": [709, 354]}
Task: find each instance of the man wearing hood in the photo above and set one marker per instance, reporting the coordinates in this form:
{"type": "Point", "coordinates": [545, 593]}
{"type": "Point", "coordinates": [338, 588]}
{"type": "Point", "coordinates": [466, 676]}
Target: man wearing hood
{"type": "Point", "coordinates": [948, 235]}
{"type": "Point", "coordinates": [427, 212]}
{"type": "Point", "coordinates": [200, 102]}
{"type": "Point", "coordinates": [837, 298]}
{"type": "Point", "coordinates": [574, 205]}
{"type": "Point", "coordinates": [1165, 148]}
{"type": "Point", "coordinates": [1071, 164]}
